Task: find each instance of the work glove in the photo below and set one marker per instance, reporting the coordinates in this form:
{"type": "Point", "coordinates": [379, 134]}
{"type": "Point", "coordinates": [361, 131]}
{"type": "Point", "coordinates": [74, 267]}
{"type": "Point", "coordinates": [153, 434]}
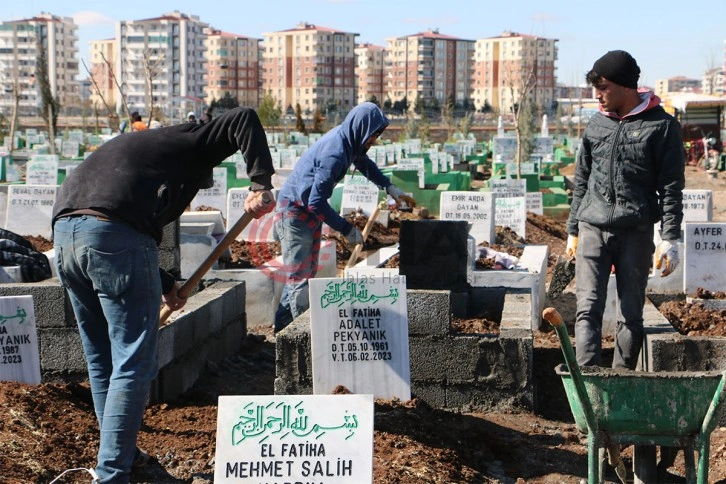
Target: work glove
{"type": "Point", "coordinates": [399, 195]}
{"type": "Point", "coordinates": [259, 203]}
{"type": "Point", "coordinates": [667, 253]}
{"type": "Point", "coordinates": [354, 237]}
{"type": "Point", "coordinates": [571, 249]}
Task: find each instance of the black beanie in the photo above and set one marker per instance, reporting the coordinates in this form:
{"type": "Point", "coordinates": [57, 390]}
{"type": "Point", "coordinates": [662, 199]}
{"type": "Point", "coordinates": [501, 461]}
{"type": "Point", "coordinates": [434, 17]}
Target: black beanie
{"type": "Point", "coordinates": [619, 67]}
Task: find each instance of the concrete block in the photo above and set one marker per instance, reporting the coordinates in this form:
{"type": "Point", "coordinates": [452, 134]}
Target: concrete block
{"type": "Point", "coordinates": [517, 311]}
{"type": "Point", "coordinates": [429, 312]}
{"type": "Point", "coordinates": [50, 302]}
{"type": "Point", "coordinates": [431, 392]}
{"type": "Point", "coordinates": [61, 351]}
{"type": "Point", "coordinates": [194, 250]}
{"type": "Point", "coordinates": [431, 358]}
{"type": "Point", "coordinates": [293, 358]}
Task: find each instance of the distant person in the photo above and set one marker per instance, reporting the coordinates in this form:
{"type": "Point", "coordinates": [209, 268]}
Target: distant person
{"type": "Point", "coordinates": [302, 204]}
{"type": "Point", "coordinates": [137, 124]}
{"type": "Point", "coordinates": [106, 234]}
{"type": "Point", "coordinates": [191, 117]}
{"type": "Point", "coordinates": [629, 175]}
{"type": "Point", "coordinates": [206, 117]}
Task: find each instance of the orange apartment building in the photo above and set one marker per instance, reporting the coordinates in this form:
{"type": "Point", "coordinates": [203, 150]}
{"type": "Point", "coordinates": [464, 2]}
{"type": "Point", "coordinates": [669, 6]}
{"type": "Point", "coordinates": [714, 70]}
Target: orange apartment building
{"type": "Point", "coordinates": [310, 65]}
{"type": "Point", "coordinates": [429, 67]}
{"type": "Point", "coordinates": [503, 65]}
{"type": "Point", "coordinates": [233, 67]}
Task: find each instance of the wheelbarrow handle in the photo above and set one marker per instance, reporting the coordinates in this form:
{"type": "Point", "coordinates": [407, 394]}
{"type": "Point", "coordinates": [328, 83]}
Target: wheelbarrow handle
{"type": "Point", "coordinates": [552, 316]}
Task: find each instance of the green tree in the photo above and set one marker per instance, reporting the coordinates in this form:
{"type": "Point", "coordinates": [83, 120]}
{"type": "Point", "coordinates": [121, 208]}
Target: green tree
{"type": "Point", "coordinates": [299, 123]}
{"type": "Point", "coordinates": [269, 112]}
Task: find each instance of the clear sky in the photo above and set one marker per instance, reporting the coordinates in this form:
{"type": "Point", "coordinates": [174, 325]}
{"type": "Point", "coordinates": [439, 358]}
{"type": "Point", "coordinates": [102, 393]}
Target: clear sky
{"type": "Point", "coordinates": [666, 41]}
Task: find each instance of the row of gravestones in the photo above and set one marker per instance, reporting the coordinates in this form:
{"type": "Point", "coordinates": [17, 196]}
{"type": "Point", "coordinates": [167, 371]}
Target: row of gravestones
{"type": "Point", "coordinates": [359, 339]}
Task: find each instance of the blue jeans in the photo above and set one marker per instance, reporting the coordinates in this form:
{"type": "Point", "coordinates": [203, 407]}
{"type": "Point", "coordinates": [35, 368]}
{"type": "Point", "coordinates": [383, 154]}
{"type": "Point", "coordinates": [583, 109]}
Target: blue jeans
{"type": "Point", "coordinates": [631, 252]}
{"type": "Point", "coordinates": [299, 233]}
{"type": "Point", "coordinates": [111, 273]}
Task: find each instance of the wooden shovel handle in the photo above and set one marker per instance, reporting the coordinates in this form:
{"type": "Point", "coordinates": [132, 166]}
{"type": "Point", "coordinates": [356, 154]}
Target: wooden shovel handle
{"type": "Point", "coordinates": [366, 230]}
{"type": "Point", "coordinates": [186, 288]}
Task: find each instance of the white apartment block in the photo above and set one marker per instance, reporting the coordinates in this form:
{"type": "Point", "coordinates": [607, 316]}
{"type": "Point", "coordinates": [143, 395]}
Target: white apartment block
{"type": "Point", "coordinates": [233, 68]}
{"type": "Point", "coordinates": [103, 87]}
{"type": "Point", "coordinates": [663, 87]}
{"type": "Point", "coordinates": [504, 65]}
{"type": "Point", "coordinates": [310, 65]}
{"type": "Point", "coordinates": [19, 54]}
{"type": "Point", "coordinates": [163, 57]}
{"type": "Point", "coordinates": [429, 67]}
{"type": "Point", "coordinates": [370, 75]}
{"type": "Point", "coordinates": [713, 82]}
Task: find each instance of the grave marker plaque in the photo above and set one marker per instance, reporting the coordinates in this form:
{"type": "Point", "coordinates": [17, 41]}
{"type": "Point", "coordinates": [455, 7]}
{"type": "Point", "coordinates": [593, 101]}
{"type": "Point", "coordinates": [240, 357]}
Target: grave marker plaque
{"type": "Point", "coordinates": [216, 196]}
{"type": "Point", "coordinates": [697, 206]}
{"type": "Point", "coordinates": [260, 229]}
{"type": "Point", "coordinates": [511, 212]}
{"type": "Point", "coordinates": [358, 193]}
{"type": "Point", "coordinates": [19, 357]}
{"type": "Point", "coordinates": [534, 202]}
{"type": "Point", "coordinates": [294, 438]}
{"type": "Point", "coordinates": [30, 209]}
{"type": "Point", "coordinates": [705, 259]}
{"type": "Point", "coordinates": [359, 333]}
{"type": "Point", "coordinates": [476, 208]}
{"type": "Point", "coordinates": [41, 172]}
{"type": "Point", "coordinates": [413, 164]}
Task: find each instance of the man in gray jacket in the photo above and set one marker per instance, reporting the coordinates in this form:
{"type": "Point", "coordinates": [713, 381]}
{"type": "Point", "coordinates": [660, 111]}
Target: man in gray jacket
{"type": "Point", "coordinates": [629, 175]}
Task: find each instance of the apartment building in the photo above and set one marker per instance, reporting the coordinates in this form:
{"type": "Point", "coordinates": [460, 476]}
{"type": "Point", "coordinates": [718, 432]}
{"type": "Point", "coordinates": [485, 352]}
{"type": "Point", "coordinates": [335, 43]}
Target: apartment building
{"type": "Point", "coordinates": [429, 68]}
{"type": "Point", "coordinates": [233, 67]}
{"type": "Point", "coordinates": [162, 61]}
{"type": "Point", "coordinates": [310, 65]}
{"type": "Point", "coordinates": [507, 65]}
{"type": "Point", "coordinates": [370, 75]}
{"type": "Point", "coordinates": [663, 87]}
{"type": "Point", "coordinates": [103, 88]}
{"type": "Point", "coordinates": [19, 56]}
{"type": "Point", "coordinates": [713, 82]}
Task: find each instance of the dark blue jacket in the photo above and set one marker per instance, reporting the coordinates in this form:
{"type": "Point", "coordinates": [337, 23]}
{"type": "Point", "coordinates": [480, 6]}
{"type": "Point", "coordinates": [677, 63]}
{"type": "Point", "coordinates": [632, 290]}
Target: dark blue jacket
{"type": "Point", "coordinates": [324, 164]}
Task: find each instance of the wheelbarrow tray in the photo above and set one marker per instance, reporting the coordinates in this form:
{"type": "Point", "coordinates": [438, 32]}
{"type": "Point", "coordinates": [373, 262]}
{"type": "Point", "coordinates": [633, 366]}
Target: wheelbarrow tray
{"type": "Point", "coordinates": [642, 403]}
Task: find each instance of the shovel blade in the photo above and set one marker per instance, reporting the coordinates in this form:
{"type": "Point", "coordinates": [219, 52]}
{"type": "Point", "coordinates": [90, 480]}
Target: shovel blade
{"type": "Point", "coordinates": [562, 275]}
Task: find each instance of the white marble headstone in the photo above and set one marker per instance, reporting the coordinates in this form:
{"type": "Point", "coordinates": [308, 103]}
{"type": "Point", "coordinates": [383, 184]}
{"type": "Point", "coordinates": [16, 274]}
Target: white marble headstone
{"type": "Point", "coordinates": [215, 197]}
{"type": "Point", "coordinates": [358, 193]}
{"type": "Point", "coordinates": [705, 257]}
{"type": "Point", "coordinates": [294, 438]}
{"type": "Point", "coordinates": [30, 208]}
{"type": "Point", "coordinates": [259, 230]}
{"type": "Point", "coordinates": [477, 208]}
{"type": "Point", "coordinates": [359, 332]}
{"type": "Point", "coordinates": [19, 357]}
{"type": "Point", "coordinates": [511, 212]}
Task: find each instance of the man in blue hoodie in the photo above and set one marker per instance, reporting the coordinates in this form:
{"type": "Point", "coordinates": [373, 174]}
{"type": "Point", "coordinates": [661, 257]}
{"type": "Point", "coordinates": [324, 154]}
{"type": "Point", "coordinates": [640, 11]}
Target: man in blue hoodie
{"type": "Point", "coordinates": [302, 204]}
{"type": "Point", "coordinates": [629, 175]}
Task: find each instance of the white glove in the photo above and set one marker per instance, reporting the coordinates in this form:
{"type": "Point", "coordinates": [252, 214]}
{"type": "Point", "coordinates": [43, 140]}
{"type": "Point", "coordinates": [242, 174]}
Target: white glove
{"type": "Point", "coordinates": [354, 237]}
{"type": "Point", "coordinates": [666, 253]}
{"type": "Point", "coordinates": [399, 195]}
{"type": "Point", "coordinates": [571, 249]}
{"type": "Point", "coordinates": [259, 203]}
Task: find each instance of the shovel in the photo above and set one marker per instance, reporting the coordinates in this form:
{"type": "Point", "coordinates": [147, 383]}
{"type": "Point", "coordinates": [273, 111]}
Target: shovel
{"type": "Point", "coordinates": [186, 289]}
{"type": "Point", "coordinates": [366, 230]}
{"type": "Point", "coordinates": [562, 275]}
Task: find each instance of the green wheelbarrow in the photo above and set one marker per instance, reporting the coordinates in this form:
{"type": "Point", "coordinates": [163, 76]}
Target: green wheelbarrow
{"type": "Point", "coordinates": [614, 407]}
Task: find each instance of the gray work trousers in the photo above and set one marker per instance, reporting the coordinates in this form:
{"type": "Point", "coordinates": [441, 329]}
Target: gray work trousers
{"type": "Point", "coordinates": [630, 251]}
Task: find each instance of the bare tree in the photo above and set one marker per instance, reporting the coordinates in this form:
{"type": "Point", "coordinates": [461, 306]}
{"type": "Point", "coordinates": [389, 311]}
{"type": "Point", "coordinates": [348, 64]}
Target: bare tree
{"type": "Point", "coordinates": [153, 65]}
{"type": "Point", "coordinates": [521, 82]}
{"type": "Point", "coordinates": [116, 83]}
{"type": "Point", "coordinates": [50, 104]}
{"type": "Point", "coordinates": [92, 77]}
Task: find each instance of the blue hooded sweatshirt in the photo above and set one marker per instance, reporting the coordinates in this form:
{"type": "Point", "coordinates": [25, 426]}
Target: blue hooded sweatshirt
{"type": "Point", "coordinates": [325, 163]}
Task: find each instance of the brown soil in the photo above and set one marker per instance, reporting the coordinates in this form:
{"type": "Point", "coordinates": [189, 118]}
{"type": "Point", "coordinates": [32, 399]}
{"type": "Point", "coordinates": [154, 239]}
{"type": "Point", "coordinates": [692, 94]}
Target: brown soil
{"type": "Point", "coordinates": [49, 428]}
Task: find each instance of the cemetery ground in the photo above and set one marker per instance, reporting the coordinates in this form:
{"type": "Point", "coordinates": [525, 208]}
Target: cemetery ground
{"type": "Point", "coordinates": [50, 428]}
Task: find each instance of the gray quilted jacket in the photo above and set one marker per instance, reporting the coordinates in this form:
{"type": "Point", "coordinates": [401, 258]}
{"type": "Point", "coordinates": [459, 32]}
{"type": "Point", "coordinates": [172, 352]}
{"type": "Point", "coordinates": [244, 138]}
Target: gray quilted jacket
{"type": "Point", "coordinates": [630, 172]}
